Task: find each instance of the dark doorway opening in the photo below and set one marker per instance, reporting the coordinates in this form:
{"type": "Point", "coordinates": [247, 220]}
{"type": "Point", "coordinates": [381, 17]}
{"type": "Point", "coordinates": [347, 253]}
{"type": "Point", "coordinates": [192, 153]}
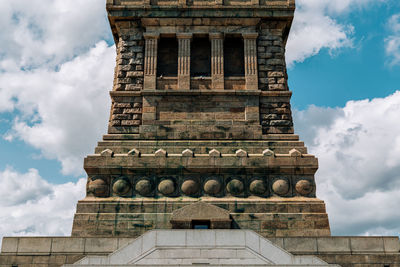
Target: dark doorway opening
{"type": "Point", "coordinates": [233, 57]}
{"type": "Point", "coordinates": [200, 59]}
{"type": "Point", "coordinates": [167, 57]}
{"type": "Point", "coordinates": [200, 224]}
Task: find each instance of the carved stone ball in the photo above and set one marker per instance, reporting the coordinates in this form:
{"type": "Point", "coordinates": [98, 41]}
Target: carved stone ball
{"type": "Point", "coordinates": [235, 187]}
{"type": "Point", "coordinates": [190, 187]}
{"type": "Point", "coordinates": [166, 187]}
{"type": "Point", "coordinates": [280, 187]}
{"type": "Point", "coordinates": [212, 187]}
{"type": "Point", "coordinates": [98, 187]}
{"type": "Point", "coordinates": [304, 187]}
{"type": "Point", "coordinates": [121, 187]}
{"type": "Point", "coordinates": [257, 187]}
{"type": "Point", "coordinates": [143, 187]}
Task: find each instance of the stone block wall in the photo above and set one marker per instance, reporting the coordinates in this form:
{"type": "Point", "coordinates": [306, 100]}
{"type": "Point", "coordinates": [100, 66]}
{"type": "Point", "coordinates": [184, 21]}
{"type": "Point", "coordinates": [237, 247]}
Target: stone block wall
{"type": "Point", "coordinates": [276, 114]}
{"type": "Point", "coordinates": [134, 217]}
{"type": "Point", "coordinates": [126, 112]}
{"type": "Point", "coordinates": [275, 111]}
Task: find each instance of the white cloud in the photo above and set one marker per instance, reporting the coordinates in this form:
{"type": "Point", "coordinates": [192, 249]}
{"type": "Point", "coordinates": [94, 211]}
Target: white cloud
{"type": "Point", "coordinates": [358, 147]}
{"type": "Point", "coordinates": [38, 32]}
{"type": "Point", "coordinates": [315, 27]}
{"type": "Point", "coordinates": [31, 206]}
{"type": "Point", "coordinates": [63, 112]}
{"type": "Point", "coordinates": [392, 42]}
{"type": "Point", "coordinates": [55, 73]}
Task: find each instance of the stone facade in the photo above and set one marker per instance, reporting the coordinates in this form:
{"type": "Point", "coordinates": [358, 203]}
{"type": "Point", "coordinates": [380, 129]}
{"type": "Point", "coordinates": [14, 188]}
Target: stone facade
{"type": "Point", "coordinates": [201, 112]}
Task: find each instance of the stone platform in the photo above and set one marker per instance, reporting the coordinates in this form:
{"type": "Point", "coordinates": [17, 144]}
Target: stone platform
{"type": "Point", "coordinates": [57, 251]}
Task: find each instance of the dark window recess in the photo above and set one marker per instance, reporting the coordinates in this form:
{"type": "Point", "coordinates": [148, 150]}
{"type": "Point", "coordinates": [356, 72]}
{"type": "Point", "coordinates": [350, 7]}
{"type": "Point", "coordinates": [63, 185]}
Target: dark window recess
{"type": "Point", "coordinates": [167, 57]}
{"type": "Point", "coordinates": [233, 57]}
{"type": "Point", "coordinates": [200, 57]}
{"type": "Point", "coordinates": [200, 224]}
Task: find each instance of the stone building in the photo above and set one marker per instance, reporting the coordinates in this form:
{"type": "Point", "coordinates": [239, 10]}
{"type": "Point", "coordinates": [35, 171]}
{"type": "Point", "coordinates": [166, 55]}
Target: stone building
{"type": "Point", "coordinates": [200, 165]}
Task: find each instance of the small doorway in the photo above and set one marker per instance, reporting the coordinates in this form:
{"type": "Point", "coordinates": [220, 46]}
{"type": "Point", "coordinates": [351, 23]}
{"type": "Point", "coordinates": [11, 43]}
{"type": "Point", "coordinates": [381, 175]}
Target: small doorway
{"type": "Point", "coordinates": [197, 224]}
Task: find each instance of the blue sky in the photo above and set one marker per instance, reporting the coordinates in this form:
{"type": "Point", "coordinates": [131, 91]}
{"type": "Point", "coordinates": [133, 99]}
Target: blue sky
{"type": "Point", "coordinates": [344, 71]}
{"type": "Point", "coordinates": [361, 71]}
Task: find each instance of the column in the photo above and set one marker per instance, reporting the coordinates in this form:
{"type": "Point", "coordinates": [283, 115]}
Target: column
{"type": "Point", "coordinates": [150, 60]}
{"type": "Point", "coordinates": [250, 60]}
{"type": "Point", "coordinates": [184, 60]}
{"type": "Point", "coordinates": [217, 60]}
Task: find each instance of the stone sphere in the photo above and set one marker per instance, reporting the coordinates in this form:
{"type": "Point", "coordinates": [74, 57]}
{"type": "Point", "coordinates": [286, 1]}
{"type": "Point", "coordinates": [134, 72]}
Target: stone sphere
{"type": "Point", "coordinates": [98, 187]}
{"type": "Point", "coordinates": [304, 187]}
{"type": "Point", "coordinates": [257, 187]}
{"type": "Point", "coordinates": [121, 187]}
{"type": "Point", "coordinates": [280, 187]}
{"type": "Point", "coordinates": [190, 187]}
{"type": "Point", "coordinates": [235, 187]}
{"type": "Point", "coordinates": [212, 187]}
{"type": "Point", "coordinates": [166, 187]}
{"type": "Point", "coordinates": [144, 187]}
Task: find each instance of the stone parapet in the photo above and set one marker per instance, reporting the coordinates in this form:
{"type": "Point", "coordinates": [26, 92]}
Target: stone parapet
{"type": "Point", "coordinates": [347, 251]}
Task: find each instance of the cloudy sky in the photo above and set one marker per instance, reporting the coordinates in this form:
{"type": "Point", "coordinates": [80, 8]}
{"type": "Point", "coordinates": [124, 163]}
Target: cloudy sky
{"type": "Point", "coordinates": [56, 68]}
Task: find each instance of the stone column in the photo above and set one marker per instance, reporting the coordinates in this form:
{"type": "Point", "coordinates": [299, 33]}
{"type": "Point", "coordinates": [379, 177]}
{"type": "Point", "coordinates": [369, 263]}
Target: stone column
{"type": "Point", "coordinates": [150, 60]}
{"type": "Point", "coordinates": [217, 60]}
{"type": "Point", "coordinates": [184, 60]}
{"type": "Point", "coordinates": [250, 60]}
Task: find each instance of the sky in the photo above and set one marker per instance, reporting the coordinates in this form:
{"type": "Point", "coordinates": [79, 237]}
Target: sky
{"type": "Point", "coordinates": [56, 69]}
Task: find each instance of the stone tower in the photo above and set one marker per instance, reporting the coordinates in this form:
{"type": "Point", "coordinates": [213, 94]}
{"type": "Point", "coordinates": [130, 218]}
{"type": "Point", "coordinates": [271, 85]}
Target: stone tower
{"type": "Point", "coordinates": [200, 132]}
{"type": "Point", "coordinates": [200, 137]}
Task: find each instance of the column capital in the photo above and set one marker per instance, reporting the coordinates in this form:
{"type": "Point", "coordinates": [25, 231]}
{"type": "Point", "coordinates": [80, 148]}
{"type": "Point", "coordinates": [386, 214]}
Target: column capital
{"type": "Point", "coordinates": [184, 35]}
{"type": "Point", "coordinates": [216, 35]}
{"type": "Point", "coordinates": [151, 35]}
{"type": "Point", "coordinates": [250, 35]}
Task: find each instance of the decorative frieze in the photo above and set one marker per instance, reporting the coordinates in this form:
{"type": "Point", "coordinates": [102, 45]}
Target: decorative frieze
{"type": "Point", "coordinates": [204, 185]}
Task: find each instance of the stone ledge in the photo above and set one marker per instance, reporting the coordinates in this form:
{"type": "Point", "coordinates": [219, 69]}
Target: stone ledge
{"type": "Point", "coordinates": [297, 245]}
{"type": "Point", "coordinates": [61, 245]}
{"type": "Point", "coordinates": [268, 137]}
{"type": "Point", "coordinates": [338, 245]}
{"type": "Point", "coordinates": [200, 92]}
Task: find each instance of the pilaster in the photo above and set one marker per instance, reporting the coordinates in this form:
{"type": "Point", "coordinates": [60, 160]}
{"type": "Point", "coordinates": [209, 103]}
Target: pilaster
{"type": "Point", "coordinates": [217, 60]}
{"type": "Point", "coordinates": [250, 60]}
{"type": "Point", "coordinates": [184, 60]}
{"type": "Point", "coordinates": [150, 61]}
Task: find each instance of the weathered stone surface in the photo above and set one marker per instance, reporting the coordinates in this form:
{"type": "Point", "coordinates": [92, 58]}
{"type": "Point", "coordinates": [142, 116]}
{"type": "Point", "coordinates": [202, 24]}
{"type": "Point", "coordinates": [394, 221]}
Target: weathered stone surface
{"type": "Point", "coordinates": [144, 187]}
{"type": "Point", "coordinates": [280, 187]}
{"type": "Point", "coordinates": [235, 187]}
{"type": "Point", "coordinates": [166, 187]}
{"type": "Point", "coordinates": [212, 187]}
{"type": "Point", "coordinates": [121, 187]}
{"type": "Point", "coordinates": [304, 187]}
{"type": "Point", "coordinates": [257, 187]}
{"type": "Point", "coordinates": [190, 187]}
{"type": "Point", "coordinates": [98, 187]}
